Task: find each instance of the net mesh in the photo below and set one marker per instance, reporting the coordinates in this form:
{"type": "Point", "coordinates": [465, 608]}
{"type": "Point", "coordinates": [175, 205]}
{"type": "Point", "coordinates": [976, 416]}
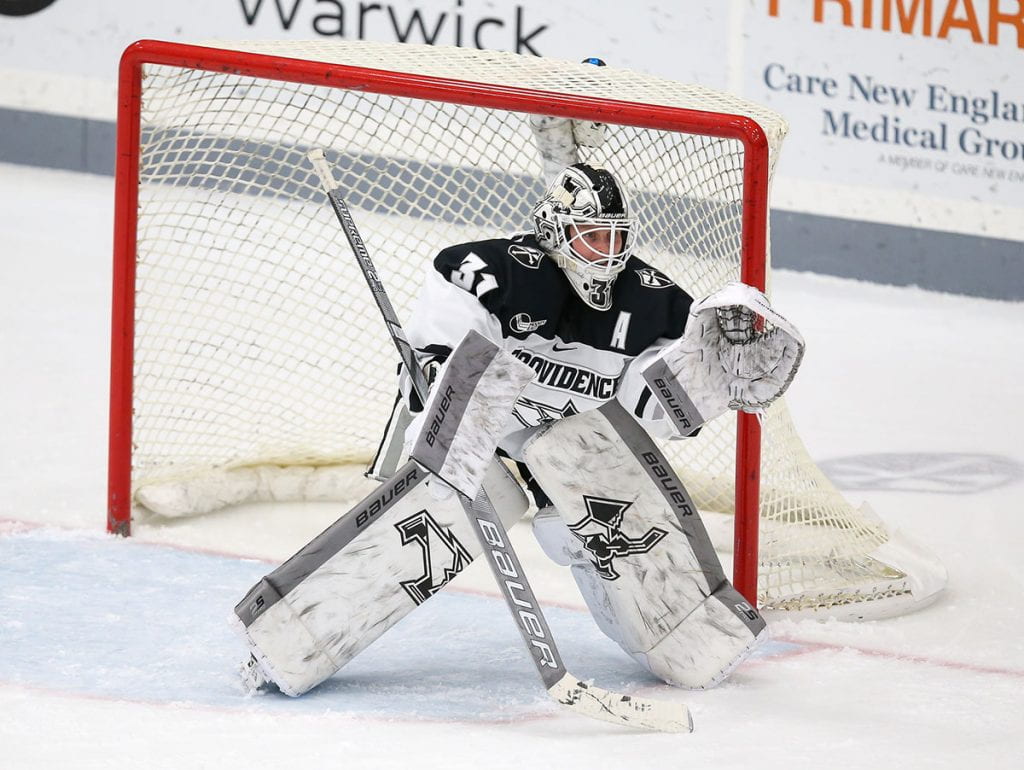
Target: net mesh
{"type": "Point", "coordinates": [257, 341]}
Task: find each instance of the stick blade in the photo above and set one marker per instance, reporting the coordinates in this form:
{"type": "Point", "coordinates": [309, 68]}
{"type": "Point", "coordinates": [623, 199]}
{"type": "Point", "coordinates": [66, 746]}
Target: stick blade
{"type": "Point", "coordinates": [627, 710]}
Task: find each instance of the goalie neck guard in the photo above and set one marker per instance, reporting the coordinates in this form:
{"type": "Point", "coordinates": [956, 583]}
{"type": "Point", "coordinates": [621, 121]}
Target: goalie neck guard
{"type": "Point", "coordinates": [584, 223]}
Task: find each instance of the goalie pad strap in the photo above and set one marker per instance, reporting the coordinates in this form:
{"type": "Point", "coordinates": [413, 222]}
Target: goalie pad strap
{"type": "Point", "coordinates": [467, 412]}
{"type": "Point", "coordinates": [391, 449]}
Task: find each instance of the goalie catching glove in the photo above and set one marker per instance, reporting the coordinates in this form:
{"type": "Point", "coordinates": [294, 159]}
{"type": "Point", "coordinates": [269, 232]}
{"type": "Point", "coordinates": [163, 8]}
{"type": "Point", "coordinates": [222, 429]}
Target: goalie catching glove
{"type": "Point", "coordinates": [724, 361]}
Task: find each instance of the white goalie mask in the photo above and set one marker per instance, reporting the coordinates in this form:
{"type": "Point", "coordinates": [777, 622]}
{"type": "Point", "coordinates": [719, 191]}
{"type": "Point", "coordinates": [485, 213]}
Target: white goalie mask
{"type": "Point", "coordinates": [584, 223]}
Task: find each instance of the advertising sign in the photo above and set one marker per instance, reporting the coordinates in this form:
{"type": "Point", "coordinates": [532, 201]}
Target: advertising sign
{"type": "Point", "coordinates": [915, 97]}
{"type": "Point", "coordinates": [903, 113]}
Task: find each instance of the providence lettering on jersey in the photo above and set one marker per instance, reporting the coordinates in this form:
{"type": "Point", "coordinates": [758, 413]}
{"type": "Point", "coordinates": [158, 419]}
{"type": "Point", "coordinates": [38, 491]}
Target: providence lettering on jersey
{"type": "Point", "coordinates": [564, 376]}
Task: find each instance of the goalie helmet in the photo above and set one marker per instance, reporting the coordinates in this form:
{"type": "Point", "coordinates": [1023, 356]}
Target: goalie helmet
{"type": "Point", "coordinates": [584, 223]}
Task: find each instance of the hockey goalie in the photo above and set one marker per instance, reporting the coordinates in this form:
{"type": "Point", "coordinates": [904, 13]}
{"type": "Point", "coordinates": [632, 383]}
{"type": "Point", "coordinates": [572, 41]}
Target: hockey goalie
{"type": "Point", "coordinates": [559, 350]}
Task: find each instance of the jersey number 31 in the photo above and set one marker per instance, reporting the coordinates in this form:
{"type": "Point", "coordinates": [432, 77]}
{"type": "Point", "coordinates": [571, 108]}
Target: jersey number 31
{"type": "Point", "coordinates": [471, 276]}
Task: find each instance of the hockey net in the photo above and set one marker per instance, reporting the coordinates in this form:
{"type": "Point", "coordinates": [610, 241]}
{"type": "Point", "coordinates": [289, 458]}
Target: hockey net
{"type": "Point", "coordinates": [249, 360]}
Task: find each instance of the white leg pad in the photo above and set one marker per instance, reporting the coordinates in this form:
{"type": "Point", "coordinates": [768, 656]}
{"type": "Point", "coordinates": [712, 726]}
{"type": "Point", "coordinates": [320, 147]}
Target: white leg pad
{"type": "Point", "coordinates": [706, 646]}
{"type": "Point", "coordinates": [638, 550]}
{"type": "Point", "coordinates": [364, 573]}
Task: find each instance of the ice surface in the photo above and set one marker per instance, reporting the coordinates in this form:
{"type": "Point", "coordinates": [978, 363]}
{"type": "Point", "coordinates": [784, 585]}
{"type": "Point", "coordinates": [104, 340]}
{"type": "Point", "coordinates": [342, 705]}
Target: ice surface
{"type": "Point", "coordinates": [117, 654]}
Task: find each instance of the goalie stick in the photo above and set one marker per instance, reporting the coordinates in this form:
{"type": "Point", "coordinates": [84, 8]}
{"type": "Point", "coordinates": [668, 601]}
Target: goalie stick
{"type": "Point", "coordinates": [568, 690]}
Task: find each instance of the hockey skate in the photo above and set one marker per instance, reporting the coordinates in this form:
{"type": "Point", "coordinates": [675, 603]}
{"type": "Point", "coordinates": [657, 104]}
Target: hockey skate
{"type": "Point", "coordinates": [253, 678]}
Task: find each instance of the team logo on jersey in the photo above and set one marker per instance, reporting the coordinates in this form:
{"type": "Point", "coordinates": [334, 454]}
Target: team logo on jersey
{"type": "Point", "coordinates": [444, 556]}
{"type": "Point", "coordinates": [652, 279]}
{"type": "Point", "coordinates": [601, 533]}
{"type": "Point", "coordinates": [522, 323]}
{"type": "Point", "coordinates": [526, 256]}
{"type": "Point", "coordinates": [531, 412]}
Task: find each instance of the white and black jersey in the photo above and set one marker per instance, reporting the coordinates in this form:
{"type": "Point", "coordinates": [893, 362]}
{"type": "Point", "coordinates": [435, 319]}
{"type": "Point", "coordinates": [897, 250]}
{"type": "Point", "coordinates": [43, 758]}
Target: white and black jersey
{"type": "Point", "coordinates": [508, 290]}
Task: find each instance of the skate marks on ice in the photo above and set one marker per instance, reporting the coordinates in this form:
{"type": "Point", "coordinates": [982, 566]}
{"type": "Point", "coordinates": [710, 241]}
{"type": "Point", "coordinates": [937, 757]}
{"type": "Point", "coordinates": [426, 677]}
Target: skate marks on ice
{"type": "Point", "coordinates": [102, 617]}
{"type": "Point", "coordinates": [956, 473]}
{"type": "Point", "coordinates": [99, 617]}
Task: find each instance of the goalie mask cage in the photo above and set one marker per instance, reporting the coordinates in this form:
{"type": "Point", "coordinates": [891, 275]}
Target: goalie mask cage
{"type": "Point", "coordinates": [248, 360]}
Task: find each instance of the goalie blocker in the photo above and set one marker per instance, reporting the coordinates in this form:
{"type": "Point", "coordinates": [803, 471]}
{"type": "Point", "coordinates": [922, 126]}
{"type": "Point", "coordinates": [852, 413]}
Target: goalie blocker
{"type": "Point", "coordinates": [639, 552]}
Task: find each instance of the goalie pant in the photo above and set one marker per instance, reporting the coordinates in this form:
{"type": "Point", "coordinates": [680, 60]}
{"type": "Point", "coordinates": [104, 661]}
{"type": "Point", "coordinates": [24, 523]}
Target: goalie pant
{"type": "Point", "coordinates": [639, 552]}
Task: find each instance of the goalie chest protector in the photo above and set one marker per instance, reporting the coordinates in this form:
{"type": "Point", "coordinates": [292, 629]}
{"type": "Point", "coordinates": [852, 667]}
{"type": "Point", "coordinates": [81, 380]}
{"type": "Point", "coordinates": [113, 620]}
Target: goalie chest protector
{"type": "Point", "coordinates": [579, 354]}
{"type": "Point", "coordinates": [531, 297]}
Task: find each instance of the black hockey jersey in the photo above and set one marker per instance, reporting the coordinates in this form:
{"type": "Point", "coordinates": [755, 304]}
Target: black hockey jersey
{"type": "Point", "coordinates": [508, 290]}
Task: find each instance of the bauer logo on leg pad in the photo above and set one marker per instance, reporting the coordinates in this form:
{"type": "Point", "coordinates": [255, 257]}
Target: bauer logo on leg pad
{"type": "Point", "coordinates": [601, 534]}
{"type": "Point", "coordinates": [660, 472]}
{"type": "Point", "coordinates": [401, 483]}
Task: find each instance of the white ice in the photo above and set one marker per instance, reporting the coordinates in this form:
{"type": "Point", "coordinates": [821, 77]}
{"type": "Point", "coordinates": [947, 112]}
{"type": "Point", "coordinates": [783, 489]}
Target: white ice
{"type": "Point", "coordinates": [115, 654]}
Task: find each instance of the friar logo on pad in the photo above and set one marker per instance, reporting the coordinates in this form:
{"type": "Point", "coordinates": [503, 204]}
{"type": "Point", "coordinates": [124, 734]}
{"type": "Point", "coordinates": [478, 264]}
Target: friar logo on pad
{"type": "Point", "coordinates": [443, 555]}
{"type": "Point", "coordinates": [530, 412]}
{"type": "Point", "coordinates": [526, 256]}
{"type": "Point", "coordinates": [601, 533]}
{"type": "Point", "coordinates": [652, 279]}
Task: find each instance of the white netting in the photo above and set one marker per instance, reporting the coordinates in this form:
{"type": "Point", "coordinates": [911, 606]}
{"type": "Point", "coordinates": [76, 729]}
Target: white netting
{"type": "Point", "coordinates": [257, 341]}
